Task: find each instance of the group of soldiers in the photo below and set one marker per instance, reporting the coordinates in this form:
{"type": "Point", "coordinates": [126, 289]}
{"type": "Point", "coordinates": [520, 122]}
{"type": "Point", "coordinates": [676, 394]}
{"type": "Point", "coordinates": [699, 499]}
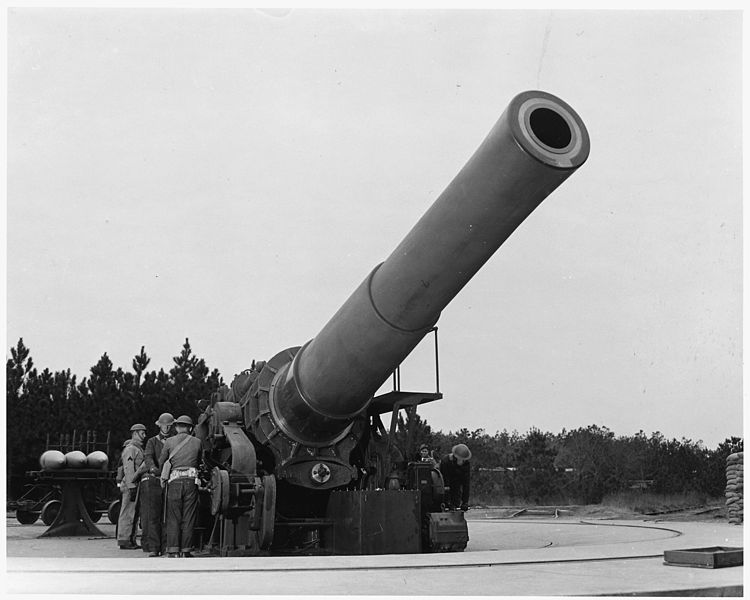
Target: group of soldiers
{"type": "Point", "coordinates": [160, 482]}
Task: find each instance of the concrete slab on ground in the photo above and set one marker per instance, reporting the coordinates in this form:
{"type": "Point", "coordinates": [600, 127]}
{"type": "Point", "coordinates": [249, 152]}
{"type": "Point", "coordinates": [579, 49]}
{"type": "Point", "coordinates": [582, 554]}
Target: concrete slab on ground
{"type": "Point", "coordinates": [504, 557]}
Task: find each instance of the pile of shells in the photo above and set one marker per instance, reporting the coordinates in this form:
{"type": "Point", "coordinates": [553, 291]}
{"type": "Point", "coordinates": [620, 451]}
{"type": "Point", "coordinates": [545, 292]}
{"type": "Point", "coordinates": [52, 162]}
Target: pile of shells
{"type": "Point", "coordinates": [734, 487]}
{"type": "Point", "coordinates": [54, 460]}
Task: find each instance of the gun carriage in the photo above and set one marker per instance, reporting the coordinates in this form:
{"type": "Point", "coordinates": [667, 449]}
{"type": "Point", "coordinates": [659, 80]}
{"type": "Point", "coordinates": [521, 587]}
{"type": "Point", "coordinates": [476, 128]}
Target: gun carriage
{"type": "Point", "coordinates": [297, 456]}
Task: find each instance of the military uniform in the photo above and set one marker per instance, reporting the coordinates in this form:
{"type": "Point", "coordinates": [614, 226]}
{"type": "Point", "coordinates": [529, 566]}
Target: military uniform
{"type": "Point", "coordinates": [427, 458]}
{"type": "Point", "coordinates": [151, 496]}
{"type": "Point", "coordinates": [133, 467]}
{"type": "Point", "coordinates": [457, 477]}
{"type": "Point", "coordinates": [181, 489]}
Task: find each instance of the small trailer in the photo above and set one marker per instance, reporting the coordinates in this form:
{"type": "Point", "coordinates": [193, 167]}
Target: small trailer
{"type": "Point", "coordinates": [42, 497]}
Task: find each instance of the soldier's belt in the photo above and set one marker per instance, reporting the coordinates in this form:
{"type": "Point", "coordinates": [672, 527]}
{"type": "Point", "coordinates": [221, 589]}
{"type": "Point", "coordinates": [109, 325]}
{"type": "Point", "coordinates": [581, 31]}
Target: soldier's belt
{"type": "Point", "coordinates": [189, 472]}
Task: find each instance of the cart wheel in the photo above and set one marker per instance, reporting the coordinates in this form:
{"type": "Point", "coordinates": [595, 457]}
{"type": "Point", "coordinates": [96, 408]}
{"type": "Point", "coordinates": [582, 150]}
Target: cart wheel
{"type": "Point", "coordinates": [113, 512]}
{"type": "Point", "coordinates": [269, 512]}
{"type": "Point", "coordinates": [49, 511]}
{"type": "Point", "coordinates": [26, 517]}
{"type": "Point", "coordinates": [95, 515]}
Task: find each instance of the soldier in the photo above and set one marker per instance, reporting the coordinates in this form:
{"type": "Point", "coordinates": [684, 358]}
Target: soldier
{"type": "Point", "coordinates": [133, 468]}
{"type": "Point", "coordinates": [151, 492]}
{"type": "Point", "coordinates": [426, 456]}
{"type": "Point", "coordinates": [455, 468]}
{"type": "Point", "coordinates": [180, 458]}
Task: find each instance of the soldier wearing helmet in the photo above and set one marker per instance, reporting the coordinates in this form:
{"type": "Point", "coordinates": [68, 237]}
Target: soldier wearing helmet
{"type": "Point", "coordinates": [180, 458]}
{"type": "Point", "coordinates": [153, 540]}
{"type": "Point", "coordinates": [133, 468]}
{"type": "Point", "coordinates": [456, 469]}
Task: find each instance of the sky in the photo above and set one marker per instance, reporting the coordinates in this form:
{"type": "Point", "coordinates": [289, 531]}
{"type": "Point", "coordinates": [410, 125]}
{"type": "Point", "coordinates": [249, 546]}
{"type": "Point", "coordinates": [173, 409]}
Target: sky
{"type": "Point", "coordinates": [231, 175]}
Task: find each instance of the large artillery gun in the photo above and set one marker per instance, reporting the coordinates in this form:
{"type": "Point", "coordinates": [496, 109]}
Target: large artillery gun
{"type": "Point", "coordinates": [296, 453]}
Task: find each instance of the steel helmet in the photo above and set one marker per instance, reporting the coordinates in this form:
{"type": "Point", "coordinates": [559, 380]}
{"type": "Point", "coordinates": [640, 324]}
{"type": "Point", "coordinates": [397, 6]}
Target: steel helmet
{"type": "Point", "coordinates": [164, 419]}
{"type": "Point", "coordinates": [138, 427]}
{"type": "Point", "coordinates": [461, 451]}
{"type": "Point", "coordinates": [184, 420]}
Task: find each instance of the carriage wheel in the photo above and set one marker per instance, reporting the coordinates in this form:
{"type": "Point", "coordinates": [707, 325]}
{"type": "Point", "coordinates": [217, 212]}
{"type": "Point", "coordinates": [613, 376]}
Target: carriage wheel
{"type": "Point", "coordinates": [219, 487]}
{"type": "Point", "coordinates": [268, 516]}
{"type": "Point", "coordinates": [50, 511]}
{"type": "Point", "coordinates": [94, 515]}
{"type": "Point", "coordinates": [26, 517]}
{"type": "Point", "coordinates": [113, 511]}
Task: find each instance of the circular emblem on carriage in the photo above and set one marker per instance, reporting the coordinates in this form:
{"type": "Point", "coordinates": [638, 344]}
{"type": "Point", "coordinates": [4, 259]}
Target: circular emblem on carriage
{"type": "Point", "coordinates": [320, 473]}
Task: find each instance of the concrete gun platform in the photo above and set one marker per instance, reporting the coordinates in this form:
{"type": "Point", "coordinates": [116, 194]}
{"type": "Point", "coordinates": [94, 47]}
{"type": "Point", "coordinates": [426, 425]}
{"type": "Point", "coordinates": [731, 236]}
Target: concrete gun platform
{"type": "Point", "coordinates": [504, 557]}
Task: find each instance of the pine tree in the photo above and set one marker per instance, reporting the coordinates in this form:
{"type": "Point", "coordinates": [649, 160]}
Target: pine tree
{"type": "Point", "coordinates": [140, 362]}
{"type": "Point", "coordinates": [20, 413]}
{"type": "Point", "coordinates": [191, 381]}
{"type": "Point", "coordinates": [17, 370]}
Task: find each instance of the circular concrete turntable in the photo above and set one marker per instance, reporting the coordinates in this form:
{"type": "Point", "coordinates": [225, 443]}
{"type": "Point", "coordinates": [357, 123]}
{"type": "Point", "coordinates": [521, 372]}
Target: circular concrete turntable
{"type": "Point", "coordinates": [504, 557]}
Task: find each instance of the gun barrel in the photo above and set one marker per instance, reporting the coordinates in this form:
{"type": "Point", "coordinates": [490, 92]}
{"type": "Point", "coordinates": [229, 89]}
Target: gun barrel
{"type": "Point", "coordinates": [537, 143]}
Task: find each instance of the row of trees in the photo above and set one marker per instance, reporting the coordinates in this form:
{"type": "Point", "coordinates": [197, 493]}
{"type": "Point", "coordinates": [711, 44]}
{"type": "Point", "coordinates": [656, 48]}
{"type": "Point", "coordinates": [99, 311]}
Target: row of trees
{"type": "Point", "coordinates": [579, 466]}
{"type": "Point", "coordinates": [584, 465]}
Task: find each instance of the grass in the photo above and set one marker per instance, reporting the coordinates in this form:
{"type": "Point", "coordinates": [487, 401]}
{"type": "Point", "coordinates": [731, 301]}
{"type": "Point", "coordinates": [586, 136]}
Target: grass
{"type": "Point", "coordinates": [627, 501]}
{"type": "Point", "coordinates": [508, 500]}
{"type": "Point", "coordinates": [646, 502]}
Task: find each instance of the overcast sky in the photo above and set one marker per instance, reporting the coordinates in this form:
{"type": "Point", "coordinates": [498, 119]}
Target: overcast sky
{"type": "Point", "coordinates": [230, 176]}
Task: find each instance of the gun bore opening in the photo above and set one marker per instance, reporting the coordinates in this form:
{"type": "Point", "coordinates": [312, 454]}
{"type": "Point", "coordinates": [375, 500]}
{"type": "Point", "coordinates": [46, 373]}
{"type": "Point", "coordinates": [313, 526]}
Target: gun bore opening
{"type": "Point", "coordinates": [550, 128]}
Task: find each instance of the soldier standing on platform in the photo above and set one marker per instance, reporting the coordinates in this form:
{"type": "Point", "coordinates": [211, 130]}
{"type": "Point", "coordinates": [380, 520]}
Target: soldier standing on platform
{"type": "Point", "coordinates": [180, 458]}
{"type": "Point", "coordinates": [151, 492]}
{"type": "Point", "coordinates": [425, 455]}
{"type": "Point", "coordinates": [133, 467]}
